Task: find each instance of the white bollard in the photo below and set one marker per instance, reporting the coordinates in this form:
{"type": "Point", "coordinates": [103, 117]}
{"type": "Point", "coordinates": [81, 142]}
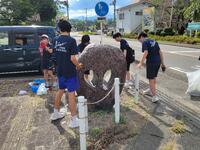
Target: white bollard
{"type": "Point", "coordinates": [117, 100]}
{"type": "Point", "coordinates": [82, 111]}
{"type": "Point", "coordinates": [137, 86]}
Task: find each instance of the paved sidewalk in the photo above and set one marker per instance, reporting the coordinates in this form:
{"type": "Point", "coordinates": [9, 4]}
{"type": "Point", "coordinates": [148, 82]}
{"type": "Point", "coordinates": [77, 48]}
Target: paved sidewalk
{"type": "Point", "coordinates": [25, 125]}
{"type": "Point", "coordinates": [174, 84]}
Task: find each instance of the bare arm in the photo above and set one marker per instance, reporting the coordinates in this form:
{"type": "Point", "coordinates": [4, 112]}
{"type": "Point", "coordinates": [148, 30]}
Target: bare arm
{"type": "Point", "coordinates": [125, 52]}
{"type": "Point", "coordinates": [49, 50]}
{"type": "Point", "coordinates": [75, 62]}
{"type": "Point", "coordinates": [144, 57]}
{"type": "Point", "coordinates": [161, 57]}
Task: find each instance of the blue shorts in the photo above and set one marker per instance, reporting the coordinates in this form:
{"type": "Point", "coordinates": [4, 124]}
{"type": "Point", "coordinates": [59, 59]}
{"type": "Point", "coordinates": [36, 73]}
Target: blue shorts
{"type": "Point", "coordinates": [71, 84]}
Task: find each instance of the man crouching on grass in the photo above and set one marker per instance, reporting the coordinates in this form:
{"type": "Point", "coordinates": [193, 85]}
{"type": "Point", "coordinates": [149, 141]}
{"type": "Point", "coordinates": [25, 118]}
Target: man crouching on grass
{"type": "Point", "coordinates": [67, 65]}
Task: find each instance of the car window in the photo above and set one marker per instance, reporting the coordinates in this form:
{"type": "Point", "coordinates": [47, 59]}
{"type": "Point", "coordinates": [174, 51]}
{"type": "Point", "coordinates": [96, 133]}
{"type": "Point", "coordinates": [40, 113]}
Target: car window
{"type": "Point", "coordinates": [24, 39]}
{"type": "Point", "coordinates": [4, 39]}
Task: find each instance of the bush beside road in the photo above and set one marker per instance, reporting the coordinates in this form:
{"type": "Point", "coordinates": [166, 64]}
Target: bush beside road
{"type": "Point", "coordinates": [173, 39]}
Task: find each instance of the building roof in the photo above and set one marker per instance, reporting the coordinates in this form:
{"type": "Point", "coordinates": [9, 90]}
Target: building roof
{"type": "Point", "coordinates": [142, 2]}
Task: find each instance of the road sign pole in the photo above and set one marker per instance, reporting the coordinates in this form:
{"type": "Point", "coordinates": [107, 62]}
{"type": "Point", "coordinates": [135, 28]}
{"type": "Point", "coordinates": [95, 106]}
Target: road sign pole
{"type": "Point", "coordinates": [101, 42]}
{"type": "Point", "coordinates": [101, 10]}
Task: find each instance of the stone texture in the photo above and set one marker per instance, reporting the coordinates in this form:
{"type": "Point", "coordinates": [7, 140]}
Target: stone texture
{"type": "Point", "coordinates": [100, 59]}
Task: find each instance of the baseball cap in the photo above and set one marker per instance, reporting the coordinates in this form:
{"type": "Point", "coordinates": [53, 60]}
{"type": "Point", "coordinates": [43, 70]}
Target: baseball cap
{"type": "Point", "coordinates": [45, 36]}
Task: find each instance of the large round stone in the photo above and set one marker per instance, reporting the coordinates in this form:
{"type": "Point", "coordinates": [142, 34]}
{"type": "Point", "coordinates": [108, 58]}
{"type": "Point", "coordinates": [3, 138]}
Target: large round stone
{"type": "Point", "coordinates": [101, 60]}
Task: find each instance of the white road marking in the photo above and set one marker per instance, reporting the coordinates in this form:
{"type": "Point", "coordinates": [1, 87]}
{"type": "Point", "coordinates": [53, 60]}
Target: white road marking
{"type": "Point", "coordinates": [189, 51]}
{"type": "Point", "coordinates": [196, 67]}
{"type": "Point", "coordinates": [181, 54]}
{"type": "Point", "coordinates": [177, 69]}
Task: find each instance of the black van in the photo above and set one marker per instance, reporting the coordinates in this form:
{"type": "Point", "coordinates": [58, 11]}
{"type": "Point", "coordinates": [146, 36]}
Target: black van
{"type": "Point", "coordinates": [19, 47]}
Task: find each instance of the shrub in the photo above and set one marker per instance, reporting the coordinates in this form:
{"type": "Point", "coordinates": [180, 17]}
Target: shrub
{"type": "Point", "coordinates": [198, 34]}
{"type": "Point", "coordinates": [152, 32]}
{"type": "Point", "coordinates": [130, 35]}
{"type": "Point", "coordinates": [158, 31]}
{"type": "Point", "coordinates": [146, 30]}
{"type": "Point", "coordinates": [169, 31]}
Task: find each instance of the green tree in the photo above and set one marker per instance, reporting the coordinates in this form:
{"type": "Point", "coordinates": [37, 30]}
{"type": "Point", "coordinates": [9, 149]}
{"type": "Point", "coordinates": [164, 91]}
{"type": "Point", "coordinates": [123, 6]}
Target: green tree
{"type": "Point", "coordinates": [192, 12]}
{"type": "Point", "coordinates": [80, 25]}
{"type": "Point", "coordinates": [15, 11]}
{"type": "Point", "coordinates": [20, 11]}
{"type": "Point", "coordinates": [47, 9]}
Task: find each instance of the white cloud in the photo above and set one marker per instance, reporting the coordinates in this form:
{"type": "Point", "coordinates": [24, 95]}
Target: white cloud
{"type": "Point", "coordinates": [82, 13]}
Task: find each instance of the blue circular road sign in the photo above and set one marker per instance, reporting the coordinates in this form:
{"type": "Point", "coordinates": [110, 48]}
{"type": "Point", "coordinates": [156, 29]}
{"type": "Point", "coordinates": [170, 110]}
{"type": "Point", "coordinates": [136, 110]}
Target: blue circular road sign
{"type": "Point", "coordinates": [101, 9]}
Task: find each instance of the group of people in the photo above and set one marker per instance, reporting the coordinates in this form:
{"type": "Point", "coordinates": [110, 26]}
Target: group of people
{"type": "Point", "coordinates": [64, 49]}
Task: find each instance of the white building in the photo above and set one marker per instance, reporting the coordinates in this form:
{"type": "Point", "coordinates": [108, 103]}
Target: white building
{"type": "Point", "coordinates": [129, 18]}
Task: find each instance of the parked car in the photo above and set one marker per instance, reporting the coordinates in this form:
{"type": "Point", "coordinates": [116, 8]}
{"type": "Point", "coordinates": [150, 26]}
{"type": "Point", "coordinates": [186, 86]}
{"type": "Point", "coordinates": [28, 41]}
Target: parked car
{"type": "Point", "coordinates": [19, 47]}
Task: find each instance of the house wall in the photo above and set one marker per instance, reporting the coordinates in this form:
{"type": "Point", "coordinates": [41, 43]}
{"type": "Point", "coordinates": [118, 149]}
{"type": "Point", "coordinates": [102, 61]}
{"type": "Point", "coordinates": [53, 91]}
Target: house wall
{"type": "Point", "coordinates": [131, 21]}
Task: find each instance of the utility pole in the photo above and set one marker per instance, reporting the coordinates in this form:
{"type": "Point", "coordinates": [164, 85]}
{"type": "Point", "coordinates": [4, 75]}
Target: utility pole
{"type": "Point", "coordinates": [67, 5]}
{"type": "Point", "coordinates": [114, 5]}
{"type": "Point", "coordinates": [86, 19]}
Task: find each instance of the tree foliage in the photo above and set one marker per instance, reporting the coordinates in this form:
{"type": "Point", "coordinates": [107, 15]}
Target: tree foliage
{"type": "Point", "coordinates": [19, 11]}
{"type": "Point", "coordinates": [46, 9]}
{"type": "Point", "coordinates": [15, 11]}
{"type": "Point", "coordinates": [192, 12]}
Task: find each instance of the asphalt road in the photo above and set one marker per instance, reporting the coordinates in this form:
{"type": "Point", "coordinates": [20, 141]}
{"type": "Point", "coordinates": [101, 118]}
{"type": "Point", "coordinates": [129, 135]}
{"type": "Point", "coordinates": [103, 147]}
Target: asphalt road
{"type": "Point", "coordinates": [180, 59]}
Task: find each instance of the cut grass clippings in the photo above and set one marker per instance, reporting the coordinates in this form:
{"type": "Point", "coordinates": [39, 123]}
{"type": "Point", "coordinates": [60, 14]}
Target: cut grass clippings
{"type": "Point", "coordinates": [178, 127]}
{"type": "Point", "coordinates": [169, 145]}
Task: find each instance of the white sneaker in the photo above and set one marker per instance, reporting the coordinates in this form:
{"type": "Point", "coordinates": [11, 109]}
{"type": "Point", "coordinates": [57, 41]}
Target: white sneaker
{"type": "Point", "coordinates": [126, 85]}
{"type": "Point", "coordinates": [74, 123]}
{"type": "Point", "coordinates": [56, 116]}
{"type": "Point", "coordinates": [130, 83]}
{"type": "Point", "coordinates": [55, 84]}
{"type": "Point", "coordinates": [147, 92]}
{"type": "Point", "coordinates": [63, 110]}
{"type": "Point", "coordinates": [155, 99]}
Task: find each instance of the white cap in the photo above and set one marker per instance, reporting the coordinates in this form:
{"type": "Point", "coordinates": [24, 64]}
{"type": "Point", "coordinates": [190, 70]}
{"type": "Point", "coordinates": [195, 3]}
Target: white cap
{"type": "Point", "coordinates": [45, 36]}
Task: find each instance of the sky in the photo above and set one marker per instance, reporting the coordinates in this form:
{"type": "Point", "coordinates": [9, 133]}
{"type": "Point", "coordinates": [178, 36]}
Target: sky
{"type": "Point", "coordinates": [77, 8]}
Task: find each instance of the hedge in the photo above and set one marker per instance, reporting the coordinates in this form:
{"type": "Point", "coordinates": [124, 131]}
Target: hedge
{"type": "Point", "coordinates": [175, 38]}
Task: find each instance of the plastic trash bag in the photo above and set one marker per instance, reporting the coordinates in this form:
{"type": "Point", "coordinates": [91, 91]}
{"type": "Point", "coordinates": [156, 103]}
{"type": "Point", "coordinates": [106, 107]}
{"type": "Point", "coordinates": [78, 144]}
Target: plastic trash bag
{"type": "Point", "coordinates": [42, 90]}
{"type": "Point", "coordinates": [22, 92]}
{"type": "Point", "coordinates": [193, 83]}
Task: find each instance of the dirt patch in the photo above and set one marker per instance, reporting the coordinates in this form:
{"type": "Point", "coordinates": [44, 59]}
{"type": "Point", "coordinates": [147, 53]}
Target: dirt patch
{"type": "Point", "coordinates": [11, 88]}
{"type": "Point", "coordinates": [118, 134]}
{"type": "Point", "coordinates": [24, 122]}
{"type": "Point", "coordinates": [104, 133]}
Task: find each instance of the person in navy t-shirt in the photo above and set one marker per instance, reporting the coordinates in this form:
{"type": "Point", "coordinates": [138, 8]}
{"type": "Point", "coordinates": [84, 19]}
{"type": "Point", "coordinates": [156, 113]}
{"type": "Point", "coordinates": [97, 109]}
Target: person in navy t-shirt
{"type": "Point", "coordinates": [154, 59]}
{"type": "Point", "coordinates": [128, 53]}
{"type": "Point", "coordinates": [65, 48]}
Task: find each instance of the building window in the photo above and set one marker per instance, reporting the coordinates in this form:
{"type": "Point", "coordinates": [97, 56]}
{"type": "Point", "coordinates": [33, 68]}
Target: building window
{"type": "Point", "coordinates": [121, 16]}
{"type": "Point", "coordinates": [138, 13]}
